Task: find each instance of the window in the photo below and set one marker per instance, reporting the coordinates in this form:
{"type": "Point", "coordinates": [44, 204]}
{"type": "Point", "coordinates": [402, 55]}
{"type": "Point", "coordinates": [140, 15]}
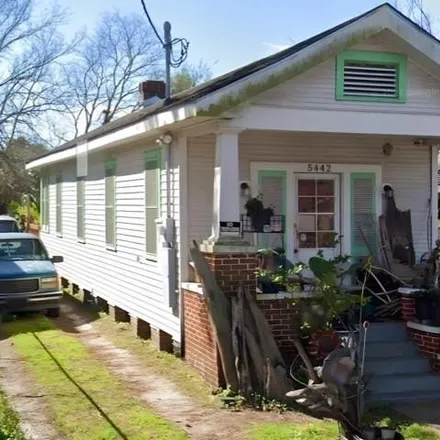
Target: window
{"type": "Point", "coordinates": [152, 199]}
{"type": "Point", "coordinates": [363, 214]}
{"type": "Point", "coordinates": [80, 208]}
{"type": "Point", "coordinates": [371, 76]}
{"type": "Point", "coordinates": [59, 196]}
{"type": "Point", "coordinates": [110, 209]}
{"type": "Point", "coordinates": [44, 196]}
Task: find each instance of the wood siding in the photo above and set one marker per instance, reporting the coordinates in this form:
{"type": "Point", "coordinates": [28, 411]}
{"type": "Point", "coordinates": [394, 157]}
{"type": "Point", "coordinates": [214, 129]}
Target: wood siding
{"type": "Point", "coordinates": [124, 278]}
{"type": "Point", "coordinates": [315, 89]}
{"type": "Point", "coordinates": [407, 169]}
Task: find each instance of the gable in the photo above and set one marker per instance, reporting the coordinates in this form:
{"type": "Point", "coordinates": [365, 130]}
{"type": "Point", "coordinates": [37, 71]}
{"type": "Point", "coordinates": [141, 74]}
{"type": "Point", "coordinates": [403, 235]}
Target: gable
{"type": "Point", "coordinates": [316, 88]}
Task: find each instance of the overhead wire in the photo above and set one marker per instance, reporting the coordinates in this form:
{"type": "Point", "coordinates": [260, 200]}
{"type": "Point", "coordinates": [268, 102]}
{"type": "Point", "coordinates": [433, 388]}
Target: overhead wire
{"type": "Point", "coordinates": [176, 61]}
{"type": "Point", "coordinates": [151, 23]}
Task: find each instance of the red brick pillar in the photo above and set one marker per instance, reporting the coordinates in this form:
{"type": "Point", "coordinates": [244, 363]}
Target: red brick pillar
{"type": "Point", "coordinates": [408, 304]}
{"type": "Point", "coordinates": [232, 265]}
{"type": "Point", "coordinates": [200, 342]}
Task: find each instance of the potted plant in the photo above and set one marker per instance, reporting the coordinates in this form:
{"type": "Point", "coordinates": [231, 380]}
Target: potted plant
{"type": "Point", "coordinates": [423, 306]}
{"type": "Point", "coordinates": [329, 303]}
{"type": "Point", "coordinates": [435, 310]}
{"type": "Point", "coordinates": [259, 215]}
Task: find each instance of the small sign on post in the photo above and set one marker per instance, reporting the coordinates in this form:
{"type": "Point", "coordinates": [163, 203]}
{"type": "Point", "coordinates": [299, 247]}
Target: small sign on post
{"type": "Point", "coordinates": [230, 229]}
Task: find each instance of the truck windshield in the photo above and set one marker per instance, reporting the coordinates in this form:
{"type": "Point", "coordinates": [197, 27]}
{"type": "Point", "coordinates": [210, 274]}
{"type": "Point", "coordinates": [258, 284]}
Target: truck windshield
{"type": "Point", "coordinates": [22, 249]}
{"type": "Point", "coordinates": [8, 226]}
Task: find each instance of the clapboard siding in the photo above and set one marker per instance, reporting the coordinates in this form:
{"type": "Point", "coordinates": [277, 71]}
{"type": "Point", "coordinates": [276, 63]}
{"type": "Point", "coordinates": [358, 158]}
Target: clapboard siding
{"type": "Point", "coordinates": [124, 278]}
{"type": "Point", "coordinates": [315, 88]}
{"type": "Point", "coordinates": [407, 169]}
{"type": "Point", "coordinates": [201, 158]}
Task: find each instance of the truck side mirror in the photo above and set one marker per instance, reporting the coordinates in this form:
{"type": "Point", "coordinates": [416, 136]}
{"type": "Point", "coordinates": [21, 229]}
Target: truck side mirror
{"type": "Point", "coordinates": [57, 259]}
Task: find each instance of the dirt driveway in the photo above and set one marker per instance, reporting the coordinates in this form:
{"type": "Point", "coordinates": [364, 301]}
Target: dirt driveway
{"type": "Point", "coordinates": [140, 384]}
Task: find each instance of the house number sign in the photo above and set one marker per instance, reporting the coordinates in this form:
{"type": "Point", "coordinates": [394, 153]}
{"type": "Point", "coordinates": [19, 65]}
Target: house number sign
{"type": "Point", "coordinates": [319, 168]}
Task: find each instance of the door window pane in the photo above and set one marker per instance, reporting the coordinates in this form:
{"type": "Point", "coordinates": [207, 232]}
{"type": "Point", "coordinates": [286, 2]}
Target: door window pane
{"type": "Point", "coordinates": [306, 187]}
{"type": "Point", "coordinates": [326, 239]}
{"type": "Point", "coordinates": [306, 204]}
{"type": "Point", "coordinates": [326, 204]}
{"type": "Point", "coordinates": [307, 239]}
{"type": "Point", "coordinates": [316, 213]}
{"type": "Point", "coordinates": [306, 222]}
{"type": "Point", "coordinates": [326, 223]}
{"type": "Point", "coordinates": [326, 187]}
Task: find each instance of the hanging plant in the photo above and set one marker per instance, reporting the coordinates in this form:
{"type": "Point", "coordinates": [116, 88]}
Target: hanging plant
{"type": "Point", "coordinates": [259, 215]}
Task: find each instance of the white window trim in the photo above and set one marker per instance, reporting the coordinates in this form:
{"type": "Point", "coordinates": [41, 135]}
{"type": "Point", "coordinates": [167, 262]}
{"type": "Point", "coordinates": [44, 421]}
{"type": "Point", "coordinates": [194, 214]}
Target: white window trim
{"type": "Point", "coordinates": [336, 168]}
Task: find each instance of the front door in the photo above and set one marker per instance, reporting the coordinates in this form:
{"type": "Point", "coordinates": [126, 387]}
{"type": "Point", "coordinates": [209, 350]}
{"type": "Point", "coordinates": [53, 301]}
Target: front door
{"type": "Point", "coordinates": [317, 215]}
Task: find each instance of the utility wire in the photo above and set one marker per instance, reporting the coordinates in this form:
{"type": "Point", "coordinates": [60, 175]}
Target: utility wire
{"type": "Point", "coordinates": [176, 61]}
{"type": "Point", "coordinates": [151, 23]}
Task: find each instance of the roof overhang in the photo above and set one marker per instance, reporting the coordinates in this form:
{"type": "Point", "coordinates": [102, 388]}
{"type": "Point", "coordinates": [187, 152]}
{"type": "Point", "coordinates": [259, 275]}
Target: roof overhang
{"type": "Point", "coordinates": [423, 48]}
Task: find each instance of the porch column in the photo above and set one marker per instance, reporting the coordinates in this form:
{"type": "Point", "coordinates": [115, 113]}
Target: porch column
{"type": "Point", "coordinates": [226, 202]}
{"type": "Point", "coordinates": [231, 259]}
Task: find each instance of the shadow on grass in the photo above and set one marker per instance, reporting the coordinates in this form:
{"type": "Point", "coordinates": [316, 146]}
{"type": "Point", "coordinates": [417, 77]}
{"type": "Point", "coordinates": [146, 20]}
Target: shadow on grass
{"type": "Point", "coordinates": [81, 389]}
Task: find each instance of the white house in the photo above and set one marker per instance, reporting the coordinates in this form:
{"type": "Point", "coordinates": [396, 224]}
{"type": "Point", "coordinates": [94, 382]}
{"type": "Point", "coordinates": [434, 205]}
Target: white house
{"type": "Point", "coordinates": [317, 129]}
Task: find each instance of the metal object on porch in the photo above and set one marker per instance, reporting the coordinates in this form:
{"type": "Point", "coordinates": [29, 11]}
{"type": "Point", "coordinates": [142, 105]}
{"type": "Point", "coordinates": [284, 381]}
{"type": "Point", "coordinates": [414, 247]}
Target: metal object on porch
{"type": "Point", "coordinates": [273, 225]}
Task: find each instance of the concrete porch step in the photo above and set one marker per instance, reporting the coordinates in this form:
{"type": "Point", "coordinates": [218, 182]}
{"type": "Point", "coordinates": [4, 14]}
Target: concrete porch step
{"type": "Point", "coordinates": [386, 332]}
{"type": "Point", "coordinates": [400, 365]}
{"type": "Point", "coordinates": [387, 350]}
{"type": "Point", "coordinates": [372, 399]}
{"type": "Point", "coordinates": [405, 383]}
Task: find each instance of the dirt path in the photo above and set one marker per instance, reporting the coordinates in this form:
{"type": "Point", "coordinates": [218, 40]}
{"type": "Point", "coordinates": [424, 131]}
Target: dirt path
{"type": "Point", "coordinates": [161, 394]}
{"type": "Point", "coordinates": [24, 395]}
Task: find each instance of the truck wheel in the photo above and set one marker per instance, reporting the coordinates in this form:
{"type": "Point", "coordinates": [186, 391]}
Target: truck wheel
{"type": "Point", "coordinates": [53, 313]}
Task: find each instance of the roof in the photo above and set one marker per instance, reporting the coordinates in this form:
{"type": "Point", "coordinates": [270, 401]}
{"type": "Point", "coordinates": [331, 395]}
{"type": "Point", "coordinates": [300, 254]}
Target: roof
{"type": "Point", "coordinates": [17, 236]}
{"type": "Point", "coordinates": [200, 91]}
{"type": "Point", "coordinates": [7, 218]}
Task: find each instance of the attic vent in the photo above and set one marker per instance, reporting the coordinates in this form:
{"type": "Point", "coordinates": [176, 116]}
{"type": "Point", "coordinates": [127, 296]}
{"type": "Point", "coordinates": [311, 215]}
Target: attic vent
{"type": "Point", "coordinates": [371, 76]}
{"type": "Point", "coordinates": [375, 80]}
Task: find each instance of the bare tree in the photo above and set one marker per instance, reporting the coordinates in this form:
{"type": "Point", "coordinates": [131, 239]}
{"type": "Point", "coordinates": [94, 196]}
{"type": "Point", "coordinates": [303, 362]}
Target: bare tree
{"type": "Point", "coordinates": [30, 48]}
{"type": "Point", "coordinates": [107, 67]}
{"type": "Point", "coordinates": [415, 9]}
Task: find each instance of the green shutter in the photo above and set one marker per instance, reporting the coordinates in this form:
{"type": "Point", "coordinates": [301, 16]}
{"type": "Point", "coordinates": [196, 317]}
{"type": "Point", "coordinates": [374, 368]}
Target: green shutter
{"type": "Point", "coordinates": [363, 213]}
{"type": "Point", "coordinates": [110, 208]}
{"type": "Point", "coordinates": [59, 207]}
{"type": "Point", "coordinates": [153, 167]}
{"type": "Point", "coordinates": [80, 209]}
{"type": "Point", "coordinates": [272, 189]}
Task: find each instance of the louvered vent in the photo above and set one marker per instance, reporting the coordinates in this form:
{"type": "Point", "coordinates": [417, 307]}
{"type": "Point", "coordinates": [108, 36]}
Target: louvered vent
{"type": "Point", "coordinates": [371, 80]}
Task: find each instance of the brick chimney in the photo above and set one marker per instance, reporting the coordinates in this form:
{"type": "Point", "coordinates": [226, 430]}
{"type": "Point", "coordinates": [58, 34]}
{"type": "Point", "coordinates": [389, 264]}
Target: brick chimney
{"type": "Point", "coordinates": [151, 91]}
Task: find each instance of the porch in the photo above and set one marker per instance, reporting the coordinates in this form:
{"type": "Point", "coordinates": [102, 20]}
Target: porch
{"type": "Point", "coordinates": [318, 185]}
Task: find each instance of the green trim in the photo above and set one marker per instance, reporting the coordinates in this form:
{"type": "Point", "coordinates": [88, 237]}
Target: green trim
{"type": "Point", "coordinates": [372, 58]}
{"type": "Point", "coordinates": [81, 181]}
{"type": "Point", "coordinates": [59, 204]}
{"type": "Point", "coordinates": [110, 173]}
{"type": "Point", "coordinates": [263, 174]}
{"type": "Point", "coordinates": [358, 250]}
{"type": "Point", "coordinates": [110, 167]}
{"type": "Point", "coordinates": [153, 160]}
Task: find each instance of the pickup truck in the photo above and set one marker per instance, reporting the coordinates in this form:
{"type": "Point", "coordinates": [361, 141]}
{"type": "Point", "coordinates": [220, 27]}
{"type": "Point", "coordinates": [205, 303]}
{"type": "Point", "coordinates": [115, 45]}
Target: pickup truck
{"type": "Point", "coordinates": [28, 278]}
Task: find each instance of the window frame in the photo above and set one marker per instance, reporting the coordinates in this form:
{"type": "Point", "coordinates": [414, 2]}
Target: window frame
{"type": "Point", "coordinates": [152, 156]}
{"type": "Point", "coordinates": [110, 173]}
{"type": "Point", "coordinates": [59, 205]}
{"type": "Point", "coordinates": [81, 181]}
{"type": "Point", "coordinates": [44, 202]}
{"type": "Point", "coordinates": [399, 60]}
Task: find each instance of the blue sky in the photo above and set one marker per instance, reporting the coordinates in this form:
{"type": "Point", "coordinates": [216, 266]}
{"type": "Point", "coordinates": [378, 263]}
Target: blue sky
{"type": "Point", "coordinates": [231, 33]}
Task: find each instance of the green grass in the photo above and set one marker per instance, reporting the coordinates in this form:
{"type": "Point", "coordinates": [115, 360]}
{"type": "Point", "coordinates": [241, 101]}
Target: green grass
{"type": "Point", "coordinates": [92, 404]}
{"type": "Point", "coordinates": [9, 421]}
{"type": "Point", "coordinates": [384, 416]}
{"type": "Point", "coordinates": [186, 379]}
{"type": "Point", "coordinates": [289, 431]}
